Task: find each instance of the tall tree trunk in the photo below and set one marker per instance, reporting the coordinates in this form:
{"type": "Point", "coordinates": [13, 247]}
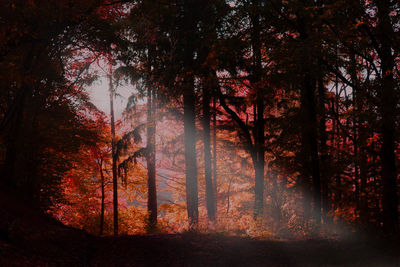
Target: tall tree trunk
{"type": "Point", "coordinates": [259, 167]}
{"type": "Point", "coordinates": [215, 189]}
{"type": "Point", "coordinates": [387, 109]}
{"type": "Point", "coordinates": [188, 38]}
{"type": "Point", "coordinates": [190, 153]}
{"type": "Point", "coordinates": [364, 199]}
{"type": "Point", "coordinates": [210, 200]}
{"type": "Point", "coordinates": [359, 145]}
{"type": "Point", "coordinates": [151, 159]}
{"type": "Point", "coordinates": [259, 112]}
{"type": "Point", "coordinates": [102, 197]}
{"type": "Point", "coordinates": [323, 150]}
{"type": "Point", "coordinates": [322, 198]}
{"type": "Point", "coordinates": [354, 80]}
{"type": "Point", "coordinates": [276, 201]}
{"type": "Point", "coordinates": [114, 156]}
{"type": "Point", "coordinates": [310, 141]}
{"type": "Point", "coordinates": [336, 141]}
{"type": "Point", "coordinates": [313, 142]}
{"type": "Point", "coordinates": [309, 131]}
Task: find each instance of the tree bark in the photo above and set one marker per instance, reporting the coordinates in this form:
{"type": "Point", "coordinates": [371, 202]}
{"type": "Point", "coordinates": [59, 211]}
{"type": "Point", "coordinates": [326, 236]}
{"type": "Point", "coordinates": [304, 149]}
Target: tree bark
{"type": "Point", "coordinates": [323, 150]}
{"type": "Point", "coordinates": [387, 109]}
{"type": "Point", "coordinates": [311, 142]}
{"type": "Point", "coordinates": [189, 100]}
{"type": "Point", "coordinates": [151, 159]}
{"type": "Point", "coordinates": [309, 130]}
{"type": "Point", "coordinates": [210, 200]}
{"type": "Point", "coordinates": [102, 197]}
{"type": "Point", "coordinates": [215, 189]}
{"type": "Point", "coordinates": [114, 157]}
{"type": "Point", "coordinates": [359, 145]}
{"type": "Point", "coordinates": [336, 142]}
{"type": "Point", "coordinates": [259, 112]}
{"type": "Point", "coordinates": [190, 154]}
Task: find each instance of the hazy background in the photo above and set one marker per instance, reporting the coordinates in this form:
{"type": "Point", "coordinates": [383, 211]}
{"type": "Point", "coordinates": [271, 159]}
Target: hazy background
{"type": "Point", "coordinates": [100, 96]}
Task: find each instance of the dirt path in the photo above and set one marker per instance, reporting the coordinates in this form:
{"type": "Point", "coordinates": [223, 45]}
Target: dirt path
{"type": "Point", "coordinates": [73, 248]}
{"type": "Point", "coordinates": [212, 250]}
{"type": "Point", "coordinates": [28, 238]}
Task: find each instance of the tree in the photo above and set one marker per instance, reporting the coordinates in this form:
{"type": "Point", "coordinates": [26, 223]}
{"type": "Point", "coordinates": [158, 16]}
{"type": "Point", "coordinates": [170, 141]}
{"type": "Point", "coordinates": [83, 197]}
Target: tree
{"type": "Point", "coordinates": [151, 154]}
{"type": "Point", "coordinates": [386, 35]}
{"type": "Point", "coordinates": [40, 75]}
{"type": "Point", "coordinates": [114, 155]}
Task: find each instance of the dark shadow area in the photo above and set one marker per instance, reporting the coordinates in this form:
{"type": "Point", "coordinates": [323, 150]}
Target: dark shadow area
{"type": "Point", "coordinates": [29, 238]}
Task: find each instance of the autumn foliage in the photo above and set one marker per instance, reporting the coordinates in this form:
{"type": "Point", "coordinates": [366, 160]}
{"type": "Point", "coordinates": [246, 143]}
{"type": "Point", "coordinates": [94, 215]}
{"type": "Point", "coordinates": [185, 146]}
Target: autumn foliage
{"type": "Point", "coordinates": [254, 118]}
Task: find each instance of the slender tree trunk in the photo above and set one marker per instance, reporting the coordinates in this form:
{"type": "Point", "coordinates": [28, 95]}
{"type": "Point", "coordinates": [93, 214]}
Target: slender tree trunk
{"type": "Point", "coordinates": [359, 144]}
{"type": "Point", "coordinates": [304, 179]}
{"type": "Point", "coordinates": [378, 211]}
{"type": "Point", "coordinates": [387, 109]}
{"type": "Point", "coordinates": [332, 152]}
{"type": "Point", "coordinates": [276, 202]}
{"type": "Point", "coordinates": [323, 150]}
{"type": "Point", "coordinates": [313, 143]}
{"type": "Point", "coordinates": [190, 154]}
{"type": "Point", "coordinates": [151, 159]}
{"type": "Point", "coordinates": [102, 197]}
{"type": "Point", "coordinates": [228, 200]}
{"type": "Point", "coordinates": [189, 100]}
{"type": "Point", "coordinates": [364, 199]}
{"type": "Point", "coordinates": [310, 141]}
{"type": "Point", "coordinates": [259, 170]}
{"type": "Point", "coordinates": [336, 141]}
{"type": "Point", "coordinates": [357, 198]}
{"type": "Point", "coordinates": [215, 155]}
{"type": "Point", "coordinates": [309, 131]}
{"type": "Point", "coordinates": [377, 194]}
{"type": "Point", "coordinates": [354, 80]}
{"type": "Point", "coordinates": [114, 157]}
{"type": "Point", "coordinates": [259, 112]}
{"type": "Point", "coordinates": [210, 200]}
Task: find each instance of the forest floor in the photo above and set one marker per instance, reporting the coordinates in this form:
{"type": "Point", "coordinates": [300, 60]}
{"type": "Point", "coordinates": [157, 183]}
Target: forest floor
{"type": "Point", "coordinates": [192, 250]}
{"type": "Point", "coordinates": [216, 250]}
{"type": "Point", "coordinates": [30, 239]}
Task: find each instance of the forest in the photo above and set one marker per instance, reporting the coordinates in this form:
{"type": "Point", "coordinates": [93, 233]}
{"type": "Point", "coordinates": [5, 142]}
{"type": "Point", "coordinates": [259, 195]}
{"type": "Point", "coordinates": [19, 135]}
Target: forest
{"type": "Point", "coordinates": [242, 120]}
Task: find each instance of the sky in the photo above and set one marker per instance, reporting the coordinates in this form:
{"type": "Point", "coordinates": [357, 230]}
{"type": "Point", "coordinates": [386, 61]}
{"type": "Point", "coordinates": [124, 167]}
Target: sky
{"type": "Point", "coordinates": [100, 96]}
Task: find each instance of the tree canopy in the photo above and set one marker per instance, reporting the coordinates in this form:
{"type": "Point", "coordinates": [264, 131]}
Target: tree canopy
{"type": "Point", "coordinates": [262, 118]}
